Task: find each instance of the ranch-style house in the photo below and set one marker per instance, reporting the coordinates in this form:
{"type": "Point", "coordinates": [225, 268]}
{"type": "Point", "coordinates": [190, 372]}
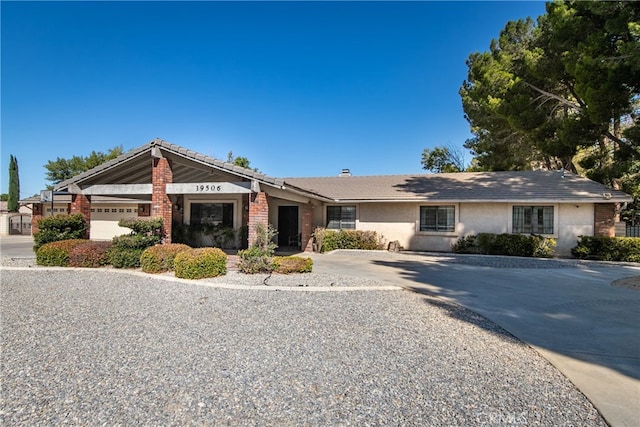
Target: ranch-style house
{"type": "Point", "coordinates": [423, 212]}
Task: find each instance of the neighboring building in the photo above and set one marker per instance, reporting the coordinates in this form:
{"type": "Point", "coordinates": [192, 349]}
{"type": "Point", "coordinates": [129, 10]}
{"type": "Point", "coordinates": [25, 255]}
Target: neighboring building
{"type": "Point", "coordinates": [15, 222]}
{"type": "Point", "coordinates": [423, 212]}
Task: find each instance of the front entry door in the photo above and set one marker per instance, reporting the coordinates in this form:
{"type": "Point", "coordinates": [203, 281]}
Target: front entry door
{"type": "Point", "coordinates": [287, 225]}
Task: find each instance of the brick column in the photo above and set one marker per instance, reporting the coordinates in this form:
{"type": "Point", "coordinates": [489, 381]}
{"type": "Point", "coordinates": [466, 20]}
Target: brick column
{"type": "Point", "coordinates": [258, 213]}
{"type": "Point", "coordinates": [81, 204]}
{"type": "Point", "coordinates": [160, 203]}
{"type": "Point", "coordinates": [36, 214]}
{"type": "Point", "coordinates": [604, 219]}
{"type": "Point", "coordinates": [307, 228]}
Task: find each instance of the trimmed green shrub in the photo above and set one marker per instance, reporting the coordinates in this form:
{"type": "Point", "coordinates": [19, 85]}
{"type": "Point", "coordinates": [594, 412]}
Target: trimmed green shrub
{"type": "Point", "coordinates": [124, 258]}
{"type": "Point", "coordinates": [59, 227]}
{"type": "Point", "coordinates": [126, 250]}
{"type": "Point", "coordinates": [200, 263]}
{"type": "Point", "coordinates": [57, 253]}
{"type": "Point", "coordinates": [144, 226]}
{"type": "Point", "coordinates": [349, 239]}
{"type": "Point", "coordinates": [603, 248]}
{"type": "Point", "coordinates": [206, 235]}
{"type": "Point", "coordinates": [292, 264]}
{"type": "Point", "coordinates": [159, 258]}
{"type": "Point", "coordinates": [466, 245]}
{"type": "Point", "coordinates": [90, 254]}
{"type": "Point", "coordinates": [255, 260]}
{"type": "Point", "coordinates": [505, 244]}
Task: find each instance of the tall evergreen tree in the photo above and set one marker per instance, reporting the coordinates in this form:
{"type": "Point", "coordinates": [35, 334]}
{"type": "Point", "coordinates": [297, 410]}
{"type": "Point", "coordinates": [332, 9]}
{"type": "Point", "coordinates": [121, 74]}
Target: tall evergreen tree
{"type": "Point", "coordinates": [14, 186]}
{"type": "Point", "coordinates": [562, 92]}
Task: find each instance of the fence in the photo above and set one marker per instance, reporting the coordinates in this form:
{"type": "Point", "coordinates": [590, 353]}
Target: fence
{"type": "Point", "coordinates": [632, 230]}
{"type": "Point", "coordinates": [20, 224]}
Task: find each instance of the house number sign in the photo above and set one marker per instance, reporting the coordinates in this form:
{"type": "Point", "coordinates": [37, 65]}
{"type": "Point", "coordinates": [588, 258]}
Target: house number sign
{"type": "Point", "coordinates": [208, 187]}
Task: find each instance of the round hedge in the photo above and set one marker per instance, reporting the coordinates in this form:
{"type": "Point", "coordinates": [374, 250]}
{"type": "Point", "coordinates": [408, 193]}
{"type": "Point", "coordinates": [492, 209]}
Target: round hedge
{"type": "Point", "coordinates": [57, 253]}
{"type": "Point", "coordinates": [200, 263]}
{"type": "Point", "coordinates": [160, 258]}
{"type": "Point", "coordinates": [90, 254]}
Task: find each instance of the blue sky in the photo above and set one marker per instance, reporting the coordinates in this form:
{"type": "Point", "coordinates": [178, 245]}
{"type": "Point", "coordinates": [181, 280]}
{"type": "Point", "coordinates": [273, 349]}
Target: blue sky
{"type": "Point", "coordinates": [299, 88]}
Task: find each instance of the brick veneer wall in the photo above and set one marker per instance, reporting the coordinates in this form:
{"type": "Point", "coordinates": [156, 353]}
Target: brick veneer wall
{"type": "Point", "coordinates": [307, 228]}
{"type": "Point", "coordinates": [604, 219]}
{"type": "Point", "coordinates": [258, 213]}
{"type": "Point", "coordinates": [36, 214]}
{"type": "Point", "coordinates": [160, 202]}
{"type": "Point", "coordinates": [81, 204]}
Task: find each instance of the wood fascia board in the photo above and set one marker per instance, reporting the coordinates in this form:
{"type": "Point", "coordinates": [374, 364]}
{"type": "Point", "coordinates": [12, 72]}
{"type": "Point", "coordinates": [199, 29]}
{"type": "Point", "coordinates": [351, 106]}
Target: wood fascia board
{"type": "Point", "coordinates": [117, 189]}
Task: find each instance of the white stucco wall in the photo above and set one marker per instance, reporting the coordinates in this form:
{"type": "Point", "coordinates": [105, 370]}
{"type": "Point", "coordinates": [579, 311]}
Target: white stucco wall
{"type": "Point", "coordinates": [4, 224]}
{"type": "Point", "coordinates": [400, 221]}
{"type": "Point", "coordinates": [574, 220]}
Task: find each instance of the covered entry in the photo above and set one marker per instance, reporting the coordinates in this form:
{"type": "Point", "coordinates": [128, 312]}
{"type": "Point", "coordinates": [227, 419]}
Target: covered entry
{"type": "Point", "coordinates": [288, 226]}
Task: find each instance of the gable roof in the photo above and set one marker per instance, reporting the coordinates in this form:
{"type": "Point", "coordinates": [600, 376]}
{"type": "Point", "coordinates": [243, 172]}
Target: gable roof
{"type": "Point", "coordinates": [132, 168]}
{"type": "Point", "coordinates": [512, 186]}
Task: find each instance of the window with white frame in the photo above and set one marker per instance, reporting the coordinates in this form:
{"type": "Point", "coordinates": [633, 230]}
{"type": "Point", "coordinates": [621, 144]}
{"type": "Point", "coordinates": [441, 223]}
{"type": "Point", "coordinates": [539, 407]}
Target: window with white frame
{"type": "Point", "coordinates": [533, 219]}
{"type": "Point", "coordinates": [212, 213]}
{"type": "Point", "coordinates": [341, 217]}
{"type": "Point", "coordinates": [437, 218]}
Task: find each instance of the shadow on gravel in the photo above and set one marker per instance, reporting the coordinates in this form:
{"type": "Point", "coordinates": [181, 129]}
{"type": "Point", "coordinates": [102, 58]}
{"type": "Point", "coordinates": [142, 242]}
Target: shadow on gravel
{"type": "Point", "coordinates": [458, 312]}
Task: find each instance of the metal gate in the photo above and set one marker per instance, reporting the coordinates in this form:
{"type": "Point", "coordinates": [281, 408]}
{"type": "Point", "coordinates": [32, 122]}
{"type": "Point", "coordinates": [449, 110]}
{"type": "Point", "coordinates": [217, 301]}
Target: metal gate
{"type": "Point", "coordinates": [20, 224]}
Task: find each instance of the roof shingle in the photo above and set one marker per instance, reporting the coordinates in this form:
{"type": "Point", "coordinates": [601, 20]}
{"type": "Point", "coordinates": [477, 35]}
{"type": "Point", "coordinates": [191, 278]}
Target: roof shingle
{"type": "Point", "coordinates": [463, 186]}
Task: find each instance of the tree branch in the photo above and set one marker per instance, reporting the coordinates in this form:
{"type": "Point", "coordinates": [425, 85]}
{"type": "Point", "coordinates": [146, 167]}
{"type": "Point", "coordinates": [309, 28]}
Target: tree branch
{"type": "Point", "coordinates": [556, 97]}
{"type": "Point", "coordinates": [614, 138]}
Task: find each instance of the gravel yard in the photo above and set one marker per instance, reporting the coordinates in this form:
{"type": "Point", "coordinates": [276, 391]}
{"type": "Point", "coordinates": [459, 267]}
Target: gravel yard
{"type": "Point", "coordinates": [90, 347]}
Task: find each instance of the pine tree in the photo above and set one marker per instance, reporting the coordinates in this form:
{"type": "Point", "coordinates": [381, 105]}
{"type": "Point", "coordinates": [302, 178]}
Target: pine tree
{"type": "Point", "coordinates": [14, 185]}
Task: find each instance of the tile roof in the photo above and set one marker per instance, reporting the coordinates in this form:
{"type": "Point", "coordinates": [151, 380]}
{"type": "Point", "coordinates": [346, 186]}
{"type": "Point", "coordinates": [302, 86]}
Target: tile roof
{"type": "Point", "coordinates": [521, 186]}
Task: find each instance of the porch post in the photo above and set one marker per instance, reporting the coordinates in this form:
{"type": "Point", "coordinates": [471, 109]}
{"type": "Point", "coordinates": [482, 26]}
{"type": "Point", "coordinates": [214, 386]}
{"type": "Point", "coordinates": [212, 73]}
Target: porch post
{"type": "Point", "coordinates": [162, 175]}
{"type": "Point", "coordinates": [258, 213]}
{"type": "Point", "coordinates": [307, 228]}
{"type": "Point", "coordinates": [81, 204]}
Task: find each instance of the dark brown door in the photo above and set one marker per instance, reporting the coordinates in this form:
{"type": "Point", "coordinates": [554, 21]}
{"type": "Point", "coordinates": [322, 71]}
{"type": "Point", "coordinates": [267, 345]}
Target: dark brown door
{"type": "Point", "coordinates": [287, 225]}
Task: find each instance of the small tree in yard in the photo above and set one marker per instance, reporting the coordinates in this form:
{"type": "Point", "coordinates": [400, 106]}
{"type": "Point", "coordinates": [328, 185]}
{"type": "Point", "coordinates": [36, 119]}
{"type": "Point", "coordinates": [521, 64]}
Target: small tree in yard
{"type": "Point", "coordinates": [14, 186]}
{"type": "Point", "coordinates": [259, 257]}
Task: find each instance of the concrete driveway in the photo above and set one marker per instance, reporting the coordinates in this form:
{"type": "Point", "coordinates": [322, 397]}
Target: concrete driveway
{"type": "Point", "coordinates": [17, 246]}
{"type": "Point", "coordinates": [567, 310]}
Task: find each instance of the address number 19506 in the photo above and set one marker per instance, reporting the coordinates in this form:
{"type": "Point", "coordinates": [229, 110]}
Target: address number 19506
{"type": "Point", "coordinates": [207, 187]}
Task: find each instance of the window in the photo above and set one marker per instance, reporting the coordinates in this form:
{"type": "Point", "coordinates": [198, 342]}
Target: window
{"type": "Point", "coordinates": [533, 219]}
{"type": "Point", "coordinates": [437, 218]}
{"type": "Point", "coordinates": [212, 213]}
{"type": "Point", "coordinates": [120, 210]}
{"type": "Point", "coordinates": [340, 217]}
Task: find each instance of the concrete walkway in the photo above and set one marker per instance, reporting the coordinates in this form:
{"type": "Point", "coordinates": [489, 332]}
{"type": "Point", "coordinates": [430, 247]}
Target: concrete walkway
{"type": "Point", "coordinates": [570, 314]}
